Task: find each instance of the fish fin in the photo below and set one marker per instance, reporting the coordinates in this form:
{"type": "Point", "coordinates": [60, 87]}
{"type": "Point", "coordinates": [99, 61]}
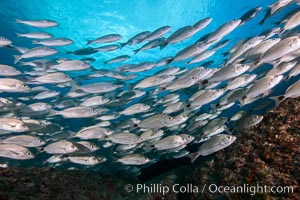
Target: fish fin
{"type": "Point", "coordinates": [19, 21]}
{"type": "Point", "coordinates": [89, 42]}
{"type": "Point", "coordinates": [278, 99]}
{"type": "Point", "coordinates": [122, 44]}
{"type": "Point", "coordinates": [163, 45]}
{"type": "Point", "coordinates": [52, 113]}
{"type": "Point", "coordinates": [136, 51]}
{"type": "Point", "coordinates": [74, 86]}
{"type": "Point", "coordinates": [193, 156]}
{"type": "Point", "coordinates": [17, 58]}
{"type": "Point", "coordinates": [287, 78]}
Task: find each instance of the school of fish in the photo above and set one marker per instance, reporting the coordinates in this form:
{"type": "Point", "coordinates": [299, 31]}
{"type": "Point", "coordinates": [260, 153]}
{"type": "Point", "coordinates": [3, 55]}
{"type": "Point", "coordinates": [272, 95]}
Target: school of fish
{"type": "Point", "coordinates": [130, 116]}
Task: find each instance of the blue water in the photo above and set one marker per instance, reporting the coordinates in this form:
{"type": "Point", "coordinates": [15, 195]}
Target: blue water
{"type": "Point", "coordinates": [83, 20]}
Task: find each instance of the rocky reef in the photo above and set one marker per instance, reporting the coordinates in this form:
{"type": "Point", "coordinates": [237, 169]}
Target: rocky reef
{"type": "Point", "coordinates": [267, 154]}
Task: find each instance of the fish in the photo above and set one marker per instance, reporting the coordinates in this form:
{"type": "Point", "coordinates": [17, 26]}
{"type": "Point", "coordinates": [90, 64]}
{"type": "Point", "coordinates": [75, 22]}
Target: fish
{"type": "Point", "coordinates": [136, 39]}
{"type": "Point", "coordinates": [135, 109]}
{"type": "Point", "coordinates": [222, 31]}
{"type": "Point", "coordinates": [24, 140]}
{"type": "Point", "coordinates": [158, 33]}
{"type": "Point", "coordinates": [13, 85]}
{"type": "Point", "coordinates": [76, 112]}
{"type": "Point", "coordinates": [56, 77]}
{"type": "Point", "coordinates": [7, 70]}
{"type": "Point", "coordinates": [202, 56]}
{"type": "Point", "coordinates": [45, 23]}
{"type": "Point", "coordinates": [93, 132]}
{"type": "Point", "coordinates": [36, 52]}
{"type": "Point", "coordinates": [250, 15]}
{"type": "Point", "coordinates": [117, 59]}
{"type": "Point", "coordinates": [86, 160]}
{"type": "Point", "coordinates": [60, 147]}
{"type": "Point", "coordinates": [229, 72]}
{"type": "Point", "coordinates": [247, 121]}
{"type": "Point", "coordinates": [4, 42]}
{"type": "Point", "coordinates": [213, 145]}
{"type": "Point", "coordinates": [291, 92]}
{"type": "Point", "coordinates": [169, 142]}
{"type": "Point", "coordinates": [106, 39]}
{"type": "Point", "coordinates": [154, 81]}
{"type": "Point", "coordinates": [12, 125]}
{"type": "Point", "coordinates": [54, 42]}
{"type": "Point", "coordinates": [124, 138]}
{"type": "Point", "coordinates": [35, 35]}
{"type": "Point", "coordinates": [190, 51]}
{"type": "Point", "coordinates": [134, 159]}
{"type": "Point", "coordinates": [263, 85]}
{"type": "Point", "coordinates": [150, 45]}
{"type": "Point", "coordinates": [15, 151]}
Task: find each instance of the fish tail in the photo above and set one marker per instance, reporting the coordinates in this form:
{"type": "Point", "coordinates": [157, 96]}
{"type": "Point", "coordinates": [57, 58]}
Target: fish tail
{"type": "Point", "coordinates": [122, 44]}
{"type": "Point", "coordinates": [19, 21]}
{"type": "Point", "coordinates": [193, 156]}
{"type": "Point", "coordinates": [17, 58]}
{"type": "Point", "coordinates": [52, 113]}
{"type": "Point", "coordinates": [20, 35]}
{"type": "Point", "coordinates": [163, 45]}
{"type": "Point", "coordinates": [74, 86]}
{"type": "Point", "coordinates": [277, 99]}
{"type": "Point", "coordinates": [35, 42]}
{"type": "Point", "coordinates": [89, 42]}
{"type": "Point", "coordinates": [136, 51]}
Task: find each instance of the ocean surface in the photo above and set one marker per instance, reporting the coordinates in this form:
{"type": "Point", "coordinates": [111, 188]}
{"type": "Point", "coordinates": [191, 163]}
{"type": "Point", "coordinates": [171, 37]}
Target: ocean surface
{"type": "Point", "coordinates": [84, 20]}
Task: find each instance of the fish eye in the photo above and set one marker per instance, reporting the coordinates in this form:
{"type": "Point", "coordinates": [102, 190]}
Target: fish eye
{"type": "Point", "coordinates": [24, 85]}
{"type": "Point", "coordinates": [228, 137]}
{"type": "Point", "coordinates": [73, 146]}
{"type": "Point", "coordinates": [40, 141]}
{"type": "Point", "coordinates": [24, 126]}
{"type": "Point", "coordinates": [28, 153]}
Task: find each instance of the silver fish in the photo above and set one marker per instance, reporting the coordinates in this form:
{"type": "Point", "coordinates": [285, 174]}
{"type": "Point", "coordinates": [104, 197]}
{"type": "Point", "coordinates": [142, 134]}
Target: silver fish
{"type": "Point", "coordinates": [72, 65]}
{"type": "Point", "coordinates": [93, 132]}
{"type": "Point", "coordinates": [134, 159]}
{"type": "Point", "coordinates": [6, 70]}
{"type": "Point", "coordinates": [36, 52]}
{"type": "Point", "coordinates": [13, 85]}
{"type": "Point", "coordinates": [35, 35]}
{"type": "Point", "coordinates": [55, 78]}
{"type": "Point", "coordinates": [135, 109]}
{"type": "Point", "coordinates": [86, 160]}
{"type": "Point", "coordinates": [54, 42]}
{"type": "Point", "coordinates": [106, 39]}
{"type": "Point", "coordinates": [38, 23]}
{"type": "Point", "coordinates": [158, 33]}
{"type": "Point", "coordinates": [76, 112]}
{"type": "Point", "coordinates": [125, 138]}
{"type": "Point", "coordinates": [4, 42]}
{"type": "Point", "coordinates": [61, 147]}
{"type": "Point", "coordinates": [24, 140]}
{"type": "Point", "coordinates": [213, 145]}
{"type": "Point", "coordinates": [12, 125]}
{"type": "Point", "coordinates": [15, 151]}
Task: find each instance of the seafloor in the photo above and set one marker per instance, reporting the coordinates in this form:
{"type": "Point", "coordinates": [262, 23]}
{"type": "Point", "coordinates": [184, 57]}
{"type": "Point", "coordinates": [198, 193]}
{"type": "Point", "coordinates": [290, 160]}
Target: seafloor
{"type": "Point", "coordinates": [267, 154]}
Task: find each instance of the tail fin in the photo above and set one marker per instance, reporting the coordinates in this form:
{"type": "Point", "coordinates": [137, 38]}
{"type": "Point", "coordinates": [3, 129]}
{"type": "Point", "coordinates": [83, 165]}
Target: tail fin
{"type": "Point", "coordinates": [277, 99]}
{"type": "Point", "coordinates": [122, 44]}
{"type": "Point", "coordinates": [193, 156]}
{"type": "Point", "coordinates": [19, 21]}
{"type": "Point", "coordinates": [89, 42]}
{"type": "Point", "coordinates": [20, 35]}
{"type": "Point", "coordinates": [74, 86]}
{"type": "Point", "coordinates": [136, 51]}
{"type": "Point", "coordinates": [35, 42]}
{"type": "Point", "coordinates": [52, 113]}
{"type": "Point", "coordinates": [163, 45]}
{"type": "Point", "coordinates": [17, 58]}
